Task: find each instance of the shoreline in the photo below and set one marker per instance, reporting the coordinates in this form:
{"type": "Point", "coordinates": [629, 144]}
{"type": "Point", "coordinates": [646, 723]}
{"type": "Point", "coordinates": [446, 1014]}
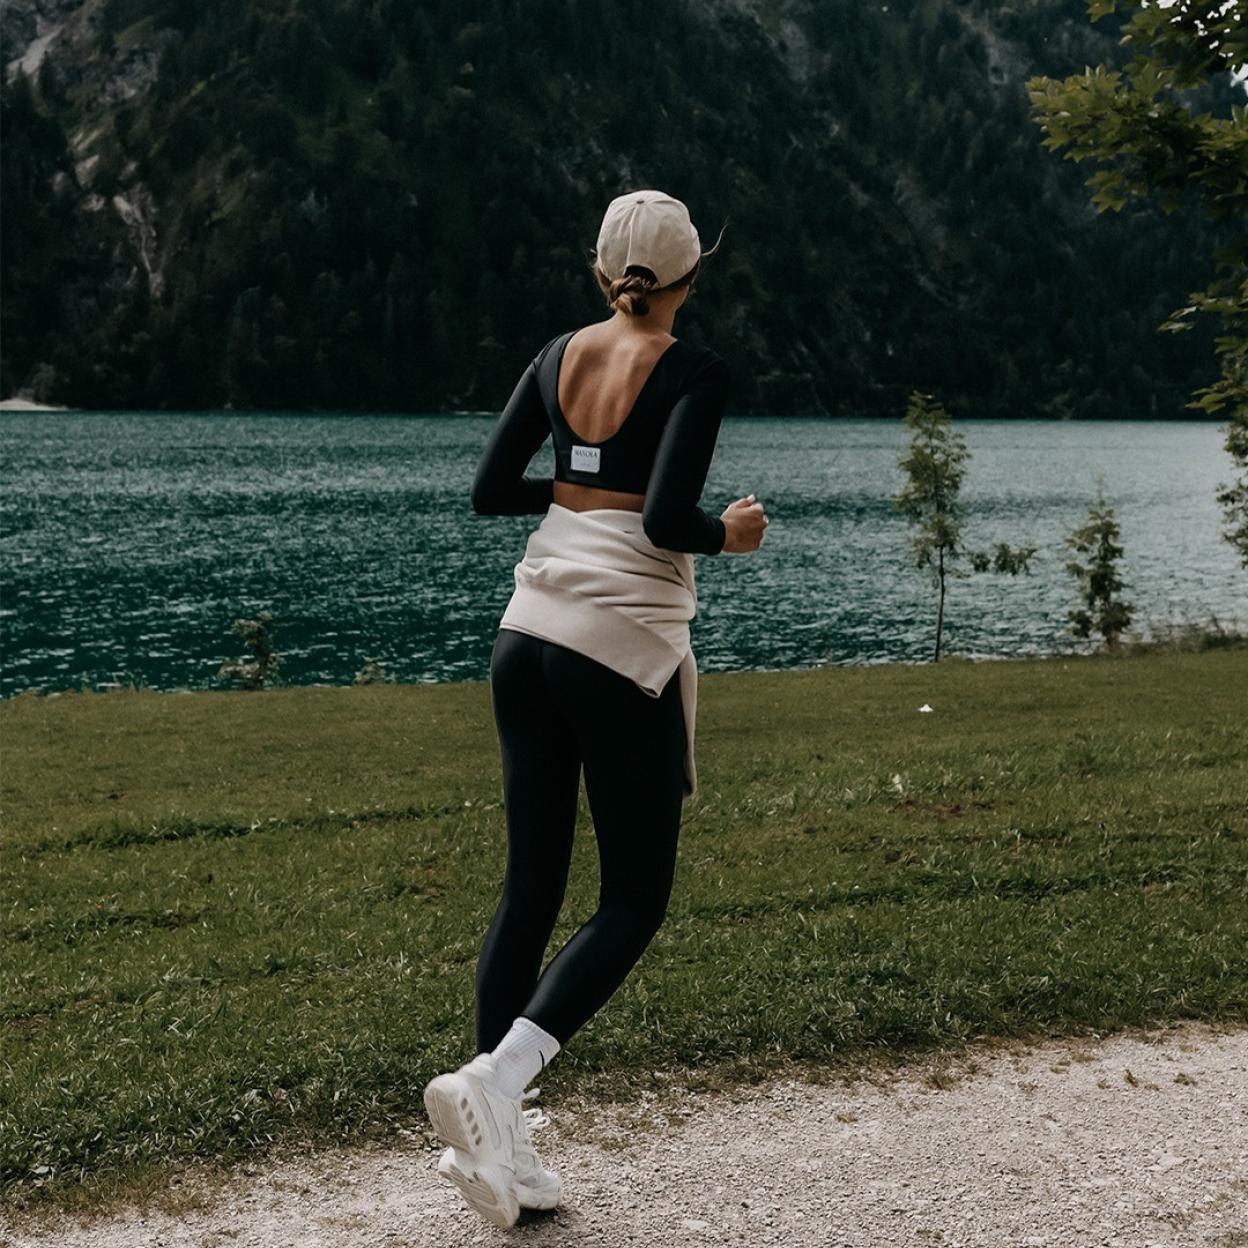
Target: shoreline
{"type": "Point", "coordinates": [20, 404]}
{"type": "Point", "coordinates": [1183, 640]}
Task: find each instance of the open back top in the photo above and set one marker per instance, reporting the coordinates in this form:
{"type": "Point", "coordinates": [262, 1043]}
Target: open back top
{"type": "Point", "coordinates": [663, 448]}
{"type": "Point", "coordinates": [624, 460]}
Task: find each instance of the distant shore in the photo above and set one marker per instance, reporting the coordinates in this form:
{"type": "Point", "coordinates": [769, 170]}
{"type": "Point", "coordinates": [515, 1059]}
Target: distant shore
{"type": "Point", "coordinates": [20, 404]}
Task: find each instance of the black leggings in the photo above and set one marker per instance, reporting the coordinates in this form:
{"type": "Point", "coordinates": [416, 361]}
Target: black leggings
{"type": "Point", "coordinates": [556, 710]}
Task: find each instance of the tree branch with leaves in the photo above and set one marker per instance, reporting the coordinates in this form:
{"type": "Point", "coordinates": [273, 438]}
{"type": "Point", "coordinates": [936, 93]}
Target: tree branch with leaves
{"type": "Point", "coordinates": [1144, 128]}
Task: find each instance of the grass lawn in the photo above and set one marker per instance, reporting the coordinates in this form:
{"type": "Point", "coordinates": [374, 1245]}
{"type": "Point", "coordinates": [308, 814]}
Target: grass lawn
{"type": "Point", "coordinates": [232, 918]}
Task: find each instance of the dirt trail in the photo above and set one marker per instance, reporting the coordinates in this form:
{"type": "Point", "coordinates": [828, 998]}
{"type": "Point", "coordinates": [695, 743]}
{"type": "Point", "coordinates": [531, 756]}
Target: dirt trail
{"type": "Point", "coordinates": [1139, 1141]}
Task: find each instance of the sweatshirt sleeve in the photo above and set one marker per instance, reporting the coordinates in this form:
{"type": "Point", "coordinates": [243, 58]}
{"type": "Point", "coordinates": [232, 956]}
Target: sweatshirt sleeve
{"type": "Point", "coordinates": [671, 516]}
{"type": "Point", "coordinates": [500, 487]}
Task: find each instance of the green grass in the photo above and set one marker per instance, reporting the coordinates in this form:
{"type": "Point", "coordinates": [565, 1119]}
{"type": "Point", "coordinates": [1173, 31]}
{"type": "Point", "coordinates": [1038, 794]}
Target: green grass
{"type": "Point", "coordinates": [234, 918]}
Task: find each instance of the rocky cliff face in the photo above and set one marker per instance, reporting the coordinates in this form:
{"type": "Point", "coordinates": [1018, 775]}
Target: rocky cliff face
{"type": "Point", "coordinates": [28, 28]}
{"type": "Point", "coordinates": [57, 45]}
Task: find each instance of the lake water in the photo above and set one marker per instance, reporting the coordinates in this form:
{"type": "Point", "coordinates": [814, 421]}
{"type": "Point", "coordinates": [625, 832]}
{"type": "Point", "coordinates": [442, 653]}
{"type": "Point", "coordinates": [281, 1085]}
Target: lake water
{"type": "Point", "coordinates": [130, 541]}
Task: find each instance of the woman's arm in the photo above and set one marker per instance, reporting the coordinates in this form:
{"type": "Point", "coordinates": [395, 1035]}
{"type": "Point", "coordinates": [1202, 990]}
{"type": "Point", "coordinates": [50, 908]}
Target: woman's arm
{"type": "Point", "coordinates": [671, 516]}
{"type": "Point", "coordinates": [500, 487]}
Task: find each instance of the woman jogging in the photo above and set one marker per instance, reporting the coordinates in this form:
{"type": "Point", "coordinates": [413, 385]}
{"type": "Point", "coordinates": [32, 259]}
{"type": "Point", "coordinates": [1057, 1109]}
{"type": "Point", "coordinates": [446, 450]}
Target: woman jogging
{"type": "Point", "coordinates": [591, 668]}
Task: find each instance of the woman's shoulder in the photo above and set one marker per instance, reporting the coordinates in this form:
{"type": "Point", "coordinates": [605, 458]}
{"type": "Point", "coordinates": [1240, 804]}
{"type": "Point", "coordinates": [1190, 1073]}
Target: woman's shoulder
{"type": "Point", "coordinates": [545, 351]}
{"type": "Point", "coordinates": [704, 366]}
{"type": "Point", "coordinates": [539, 361]}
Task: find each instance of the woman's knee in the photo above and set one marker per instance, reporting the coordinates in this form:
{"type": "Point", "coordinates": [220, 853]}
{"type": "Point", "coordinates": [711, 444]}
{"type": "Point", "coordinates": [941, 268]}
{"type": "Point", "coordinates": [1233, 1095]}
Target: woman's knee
{"type": "Point", "coordinates": [534, 883]}
{"type": "Point", "coordinates": [638, 920]}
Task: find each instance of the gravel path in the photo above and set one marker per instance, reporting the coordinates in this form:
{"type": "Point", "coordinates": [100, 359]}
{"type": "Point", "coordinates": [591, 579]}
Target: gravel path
{"type": "Point", "coordinates": [1138, 1141]}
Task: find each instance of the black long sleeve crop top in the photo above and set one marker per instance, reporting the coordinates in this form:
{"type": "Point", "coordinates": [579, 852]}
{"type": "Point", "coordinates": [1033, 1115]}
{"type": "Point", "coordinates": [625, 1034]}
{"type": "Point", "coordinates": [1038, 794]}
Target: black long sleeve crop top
{"type": "Point", "coordinates": [663, 449]}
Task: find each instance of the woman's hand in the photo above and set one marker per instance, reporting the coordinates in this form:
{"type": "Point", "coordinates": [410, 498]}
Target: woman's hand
{"type": "Point", "coordinates": [745, 522]}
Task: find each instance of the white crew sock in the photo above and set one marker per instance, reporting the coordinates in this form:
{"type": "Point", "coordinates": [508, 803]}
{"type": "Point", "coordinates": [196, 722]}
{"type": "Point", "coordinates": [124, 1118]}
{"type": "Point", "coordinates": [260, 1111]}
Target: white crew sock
{"type": "Point", "coordinates": [521, 1054]}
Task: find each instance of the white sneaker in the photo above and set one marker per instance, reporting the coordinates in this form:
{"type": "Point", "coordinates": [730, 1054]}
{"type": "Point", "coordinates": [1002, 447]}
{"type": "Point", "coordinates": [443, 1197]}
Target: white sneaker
{"type": "Point", "coordinates": [491, 1158]}
{"type": "Point", "coordinates": [538, 1189]}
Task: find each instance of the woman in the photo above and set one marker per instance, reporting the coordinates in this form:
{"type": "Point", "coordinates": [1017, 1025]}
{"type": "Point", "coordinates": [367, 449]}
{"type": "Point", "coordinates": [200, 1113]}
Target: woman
{"type": "Point", "coordinates": [591, 669]}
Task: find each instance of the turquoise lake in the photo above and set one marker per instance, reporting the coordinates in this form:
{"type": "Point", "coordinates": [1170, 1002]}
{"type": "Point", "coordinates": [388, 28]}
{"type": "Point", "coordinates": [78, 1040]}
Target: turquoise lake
{"type": "Point", "coordinates": [130, 541]}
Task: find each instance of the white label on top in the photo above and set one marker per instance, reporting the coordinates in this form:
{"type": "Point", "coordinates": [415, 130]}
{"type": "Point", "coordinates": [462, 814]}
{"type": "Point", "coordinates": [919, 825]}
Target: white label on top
{"type": "Point", "coordinates": [585, 458]}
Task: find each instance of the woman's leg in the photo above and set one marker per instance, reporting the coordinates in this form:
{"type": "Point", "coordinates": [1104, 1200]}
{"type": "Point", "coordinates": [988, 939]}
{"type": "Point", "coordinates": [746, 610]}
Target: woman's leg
{"type": "Point", "coordinates": [541, 777]}
{"type": "Point", "coordinates": [632, 748]}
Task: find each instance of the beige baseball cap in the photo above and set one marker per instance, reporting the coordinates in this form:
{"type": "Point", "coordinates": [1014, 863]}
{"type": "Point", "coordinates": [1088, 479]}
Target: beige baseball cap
{"type": "Point", "coordinates": [649, 228]}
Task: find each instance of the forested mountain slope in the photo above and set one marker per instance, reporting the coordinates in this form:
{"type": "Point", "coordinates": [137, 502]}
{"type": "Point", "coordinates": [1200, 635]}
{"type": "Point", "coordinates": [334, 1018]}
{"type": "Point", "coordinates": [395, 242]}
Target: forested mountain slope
{"type": "Point", "coordinates": [379, 204]}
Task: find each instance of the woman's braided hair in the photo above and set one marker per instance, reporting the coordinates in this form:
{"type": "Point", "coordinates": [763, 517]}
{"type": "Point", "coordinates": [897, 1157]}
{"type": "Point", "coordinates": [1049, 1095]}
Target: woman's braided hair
{"type": "Point", "coordinates": [629, 292]}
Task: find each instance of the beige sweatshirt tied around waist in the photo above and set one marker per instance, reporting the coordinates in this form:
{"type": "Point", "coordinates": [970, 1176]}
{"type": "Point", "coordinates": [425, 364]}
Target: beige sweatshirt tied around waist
{"type": "Point", "coordinates": [594, 582]}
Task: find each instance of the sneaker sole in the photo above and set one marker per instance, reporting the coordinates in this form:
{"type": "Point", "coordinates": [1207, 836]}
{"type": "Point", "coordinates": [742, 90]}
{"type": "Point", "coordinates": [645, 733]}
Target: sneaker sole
{"type": "Point", "coordinates": [452, 1104]}
{"type": "Point", "coordinates": [487, 1189]}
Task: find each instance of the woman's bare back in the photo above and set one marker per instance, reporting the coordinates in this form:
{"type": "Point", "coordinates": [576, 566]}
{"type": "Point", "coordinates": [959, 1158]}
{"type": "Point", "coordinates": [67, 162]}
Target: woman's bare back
{"type": "Point", "coordinates": [600, 378]}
